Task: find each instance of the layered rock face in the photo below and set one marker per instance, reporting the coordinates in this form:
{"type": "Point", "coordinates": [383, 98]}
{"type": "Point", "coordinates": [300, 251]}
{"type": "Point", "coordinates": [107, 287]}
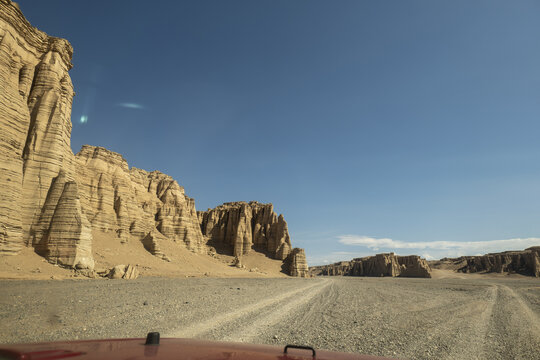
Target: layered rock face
{"type": "Point", "coordinates": [240, 227]}
{"type": "Point", "coordinates": [134, 202]}
{"type": "Point", "coordinates": [35, 110]}
{"type": "Point", "coordinates": [243, 226]}
{"type": "Point", "coordinates": [296, 263]}
{"type": "Point", "coordinates": [526, 262]}
{"type": "Point", "coordinates": [63, 234]}
{"type": "Point", "coordinates": [52, 199]}
{"type": "Point", "coordinates": [379, 265]}
{"type": "Point", "coordinates": [414, 266]}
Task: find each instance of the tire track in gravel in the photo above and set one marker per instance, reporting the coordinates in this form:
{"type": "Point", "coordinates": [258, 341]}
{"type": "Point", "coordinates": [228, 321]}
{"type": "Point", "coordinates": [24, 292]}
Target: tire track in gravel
{"type": "Point", "coordinates": [515, 326]}
{"type": "Point", "coordinates": [264, 312]}
{"type": "Point", "coordinates": [457, 330]}
{"type": "Point", "coordinates": [270, 317]}
{"type": "Point", "coordinates": [506, 328]}
{"type": "Point", "coordinates": [529, 315]}
{"type": "Point", "coordinates": [474, 342]}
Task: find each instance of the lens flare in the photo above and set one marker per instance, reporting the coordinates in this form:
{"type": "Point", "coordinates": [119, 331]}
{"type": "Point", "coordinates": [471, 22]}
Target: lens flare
{"type": "Point", "coordinates": [132, 106]}
{"type": "Point", "coordinates": [84, 119]}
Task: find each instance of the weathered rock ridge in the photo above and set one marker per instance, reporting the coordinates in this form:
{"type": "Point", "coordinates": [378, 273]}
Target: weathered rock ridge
{"type": "Point", "coordinates": [379, 265]}
{"type": "Point", "coordinates": [240, 227]}
{"type": "Point", "coordinates": [52, 200]}
{"type": "Point", "coordinates": [526, 262]}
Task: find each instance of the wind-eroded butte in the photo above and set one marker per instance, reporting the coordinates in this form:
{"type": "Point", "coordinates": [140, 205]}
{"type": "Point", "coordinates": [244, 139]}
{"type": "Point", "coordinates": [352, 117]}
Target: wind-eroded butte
{"type": "Point", "coordinates": [246, 323]}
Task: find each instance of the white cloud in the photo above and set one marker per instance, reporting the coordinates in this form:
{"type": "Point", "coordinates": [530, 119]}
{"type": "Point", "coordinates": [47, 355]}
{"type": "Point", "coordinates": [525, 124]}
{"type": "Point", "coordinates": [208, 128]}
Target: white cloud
{"type": "Point", "coordinates": [131, 106]}
{"type": "Point", "coordinates": [344, 253]}
{"type": "Point", "coordinates": [438, 249]}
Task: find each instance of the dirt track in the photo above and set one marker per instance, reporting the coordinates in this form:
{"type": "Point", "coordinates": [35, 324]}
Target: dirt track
{"type": "Point", "coordinates": [484, 318]}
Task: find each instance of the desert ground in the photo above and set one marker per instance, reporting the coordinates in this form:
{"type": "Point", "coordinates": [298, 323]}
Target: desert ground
{"type": "Point", "coordinates": [449, 317]}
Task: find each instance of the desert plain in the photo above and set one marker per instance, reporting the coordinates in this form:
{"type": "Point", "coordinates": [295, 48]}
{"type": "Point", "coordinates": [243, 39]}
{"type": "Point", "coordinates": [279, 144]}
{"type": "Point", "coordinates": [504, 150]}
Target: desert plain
{"type": "Point", "coordinates": [230, 273]}
{"type": "Point", "coordinates": [451, 316]}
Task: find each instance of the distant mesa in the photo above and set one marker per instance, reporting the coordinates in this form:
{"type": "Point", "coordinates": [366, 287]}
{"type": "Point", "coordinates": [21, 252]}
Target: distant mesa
{"type": "Point", "coordinates": [525, 262]}
{"type": "Point", "coordinates": [53, 200]}
{"type": "Point", "coordinates": [387, 264]}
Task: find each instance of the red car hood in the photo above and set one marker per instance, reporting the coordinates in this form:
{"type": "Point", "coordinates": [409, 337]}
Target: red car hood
{"type": "Point", "coordinates": [132, 349]}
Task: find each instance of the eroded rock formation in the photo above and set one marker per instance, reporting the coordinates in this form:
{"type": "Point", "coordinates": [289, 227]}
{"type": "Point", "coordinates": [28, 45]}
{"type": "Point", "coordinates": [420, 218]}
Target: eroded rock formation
{"type": "Point", "coordinates": [35, 110]}
{"type": "Point", "coordinates": [526, 262]}
{"type": "Point", "coordinates": [134, 202]}
{"type": "Point", "coordinates": [127, 272]}
{"type": "Point", "coordinates": [67, 236]}
{"type": "Point", "coordinates": [414, 266]}
{"type": "Point", "coordinates": [296, 264]}
{"type": "Point", "coordinates": [242, 226]}
{"type": "Point", "coordinates": [52, 199]}
{"type": "Point", "coordinates": [387, 264]}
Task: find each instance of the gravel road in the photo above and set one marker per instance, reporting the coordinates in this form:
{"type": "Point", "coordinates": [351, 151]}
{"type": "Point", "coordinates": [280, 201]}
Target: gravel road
{"type": "Point", "coordinates": [488, 318]}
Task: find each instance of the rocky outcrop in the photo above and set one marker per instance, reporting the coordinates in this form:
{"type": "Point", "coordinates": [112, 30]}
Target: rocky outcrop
{"type": "Point", "coordinates": [126, 272]}
{"type": "Point", "coordinates": [296, 264]}
{"type": "Point", "coordinates": [387, 264]}
{"type": "Point", "coordinates": [526, 262]}
{"type": "Point", "coordinates": [242, 226]}
{"type": "Point", "coordinates": [414, 266]}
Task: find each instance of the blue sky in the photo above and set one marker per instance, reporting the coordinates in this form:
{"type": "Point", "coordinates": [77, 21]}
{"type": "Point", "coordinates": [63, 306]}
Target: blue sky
{"type": "Point", "coordinates": [410, 121]}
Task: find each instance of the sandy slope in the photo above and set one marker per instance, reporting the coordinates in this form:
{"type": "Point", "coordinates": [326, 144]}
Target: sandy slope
{"type": "Point", "coordinates": [109, 251]}
{"type": "Point", "coordinates": [29, 265]}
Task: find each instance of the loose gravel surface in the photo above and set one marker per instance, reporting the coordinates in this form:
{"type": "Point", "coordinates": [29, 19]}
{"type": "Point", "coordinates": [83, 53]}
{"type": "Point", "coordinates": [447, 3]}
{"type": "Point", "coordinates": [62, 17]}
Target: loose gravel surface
{"type": "Point", "coordinates": [488, 318]}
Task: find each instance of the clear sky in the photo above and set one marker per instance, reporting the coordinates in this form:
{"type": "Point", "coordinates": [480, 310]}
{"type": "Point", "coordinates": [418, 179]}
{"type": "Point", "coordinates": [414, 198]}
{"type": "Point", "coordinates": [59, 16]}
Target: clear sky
{"type": "Point", "coordinates": [373, 126]}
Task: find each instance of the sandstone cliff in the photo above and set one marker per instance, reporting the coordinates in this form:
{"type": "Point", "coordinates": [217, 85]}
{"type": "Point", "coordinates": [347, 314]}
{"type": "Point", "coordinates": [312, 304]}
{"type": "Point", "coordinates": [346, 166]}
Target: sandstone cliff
{"type": "Point", "coordinates": [526, 262]}
{"type": "Point", "coordinates": [134, 203]}
{"type": "Point", "coordinates": [379, 265]}
{"type": "Point", "coordinates": [52, 200]}
{"type": "Point", "coordinates": [242, 226]}
{"type": "Point", "coordinates": [35, 110]}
